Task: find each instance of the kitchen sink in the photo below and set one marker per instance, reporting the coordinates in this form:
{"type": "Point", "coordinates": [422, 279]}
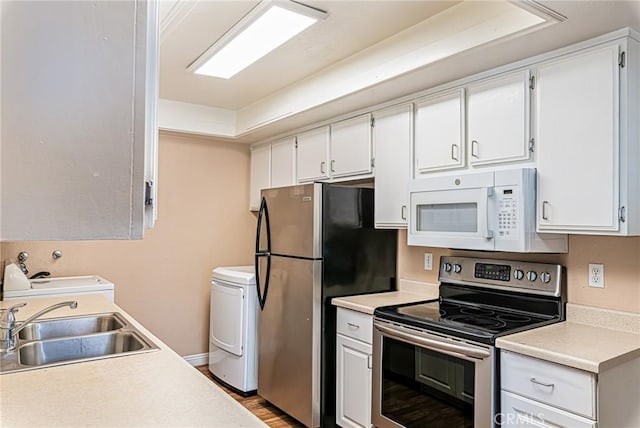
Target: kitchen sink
{"type": "Point", "coordinates": [75, 326]}
{"type": "Point", "coordinates": [44, 352]}
{"type": "Point", "coordinates": [68, 340]}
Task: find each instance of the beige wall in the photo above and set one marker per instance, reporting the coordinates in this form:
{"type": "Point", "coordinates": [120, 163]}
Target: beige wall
{"type": "Point", "coordinates": [203, 222]}
{"type": "Point", "coordinates": [621, 258]}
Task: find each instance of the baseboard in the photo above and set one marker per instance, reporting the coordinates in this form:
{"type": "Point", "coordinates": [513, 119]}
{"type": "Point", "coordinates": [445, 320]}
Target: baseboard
{"type": "Point", "coordinates": [197, 359]}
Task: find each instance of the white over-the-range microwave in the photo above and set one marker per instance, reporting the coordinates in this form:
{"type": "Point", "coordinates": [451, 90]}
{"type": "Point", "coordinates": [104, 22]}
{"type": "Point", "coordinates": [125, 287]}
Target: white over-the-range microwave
{"type": "Point", "coordinates": [493, 211]}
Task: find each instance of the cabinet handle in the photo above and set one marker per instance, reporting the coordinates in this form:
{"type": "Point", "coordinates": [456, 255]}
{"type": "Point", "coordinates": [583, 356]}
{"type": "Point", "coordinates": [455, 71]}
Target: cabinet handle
{"type": "Point", "coordinates": [454, 149]}
{"type": "Point", "coordinates": [544, 210]}
{"type": "Point", "coordinates": [537, 382]}
{"type": "Point", "coordinates": [352, 325]}
{"type": "Point", "coordinates": [333, 165]}
{"type": "Point", "coordinates": [370, 361]}
{"type": "Point", "coordinates": [403, 212]}
{"type": "Point", "coordinates": [323, 168]}
{"type": "Point", "coordinates": [474, 148]}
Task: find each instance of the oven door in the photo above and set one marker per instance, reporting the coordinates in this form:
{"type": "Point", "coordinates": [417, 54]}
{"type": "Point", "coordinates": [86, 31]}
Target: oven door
{"type": "Point", "coordinates": [425, 380]}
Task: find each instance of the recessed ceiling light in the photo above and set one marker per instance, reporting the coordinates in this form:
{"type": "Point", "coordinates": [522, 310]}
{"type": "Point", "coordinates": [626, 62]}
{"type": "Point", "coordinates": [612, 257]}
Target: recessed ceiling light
{"type": "Point", "coordinates": [266, 27]}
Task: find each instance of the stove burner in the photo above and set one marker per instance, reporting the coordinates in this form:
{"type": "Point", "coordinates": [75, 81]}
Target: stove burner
{"type": "Point", "coordinates": [478, 321]}
{"type": "Point", "coordinates": [476, 311]}
{"type": "Point", "coordinates": [513, 318]}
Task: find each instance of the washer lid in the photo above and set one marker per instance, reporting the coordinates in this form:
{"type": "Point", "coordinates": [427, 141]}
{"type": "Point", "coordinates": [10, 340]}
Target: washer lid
{"type": "Point", "coordinates": [63, 285]}
{"type": "Point", "coordinates": [243, 275]}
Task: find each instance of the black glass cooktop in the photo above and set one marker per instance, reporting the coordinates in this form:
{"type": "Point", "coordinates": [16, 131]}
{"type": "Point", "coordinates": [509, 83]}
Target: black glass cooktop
{"type": "Point", "coordinates": [481, 323]}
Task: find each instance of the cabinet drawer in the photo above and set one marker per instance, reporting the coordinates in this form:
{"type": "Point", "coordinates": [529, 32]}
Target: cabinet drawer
{"type": "Point", "coordinates": [521, 412]}
{"type": "Point", "coordinates": [560, 386]}
{"type": "Point", "coordinates": [355, 324]}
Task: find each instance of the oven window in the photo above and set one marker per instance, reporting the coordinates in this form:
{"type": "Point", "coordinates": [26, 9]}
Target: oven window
{"type": "Point", "coordinates": [423, 388]}
{"type": "Point", "coordinates": [459, 217]}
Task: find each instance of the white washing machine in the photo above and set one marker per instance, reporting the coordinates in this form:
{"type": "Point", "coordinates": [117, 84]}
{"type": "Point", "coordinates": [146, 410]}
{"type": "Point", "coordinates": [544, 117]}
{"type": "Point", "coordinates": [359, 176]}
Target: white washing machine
{"type": "Point", "coordinates": [233, 328]}
{"type": "Point", "coordinates": [64, 287]}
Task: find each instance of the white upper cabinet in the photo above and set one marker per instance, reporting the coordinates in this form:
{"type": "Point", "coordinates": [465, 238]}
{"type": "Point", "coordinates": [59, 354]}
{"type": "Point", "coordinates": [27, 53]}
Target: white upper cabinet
{"type": "Point", "coordinates": [351, 147]}
{"type": "Point", "coordinates": [392, 137]}
{"type": "Point", "coordinates": [260, 174]}
{"type": "Point", "coordinates": [312, 155]}
{"type": "Point", "coordinates": [439, 133]}
{"type": "Point", "coordinates": [79, 96]}
{"type": "Point", "coordinates": [283, 162]}
{"type": "Point", "coordinates": [498, 119]}
{"type": "Point", "coordinates": [587, 173]}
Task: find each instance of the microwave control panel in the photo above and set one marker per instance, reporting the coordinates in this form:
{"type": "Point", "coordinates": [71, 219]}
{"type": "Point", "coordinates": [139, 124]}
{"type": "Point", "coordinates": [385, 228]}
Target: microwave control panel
{"type": "Point", "coordinates": [508, 212]}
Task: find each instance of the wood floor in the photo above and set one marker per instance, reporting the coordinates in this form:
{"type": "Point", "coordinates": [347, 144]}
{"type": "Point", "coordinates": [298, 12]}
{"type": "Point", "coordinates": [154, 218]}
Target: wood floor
{"type": "Point", "coordinates": [257, 405]}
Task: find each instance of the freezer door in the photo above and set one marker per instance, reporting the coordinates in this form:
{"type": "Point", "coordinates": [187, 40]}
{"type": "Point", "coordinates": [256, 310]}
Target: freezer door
{"type": "Point", "coordinates": [295, 223]}
{"type": "Point", "coordinates": [289, 339]}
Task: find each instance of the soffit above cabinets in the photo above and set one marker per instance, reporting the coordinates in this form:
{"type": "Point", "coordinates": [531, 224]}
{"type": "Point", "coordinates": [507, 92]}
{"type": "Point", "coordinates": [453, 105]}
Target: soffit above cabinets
{"type": "Point", "coordinates": [364, 53]}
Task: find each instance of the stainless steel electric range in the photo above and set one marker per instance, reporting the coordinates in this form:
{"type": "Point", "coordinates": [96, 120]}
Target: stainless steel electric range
{"type": "Point", "coordinates": [434, 362]}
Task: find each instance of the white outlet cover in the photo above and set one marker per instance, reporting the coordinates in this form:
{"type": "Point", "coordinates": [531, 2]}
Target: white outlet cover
{"type": "Point", "coordinates": [596, 275]}
{"type": "Point", "coordinates": [428, 261]}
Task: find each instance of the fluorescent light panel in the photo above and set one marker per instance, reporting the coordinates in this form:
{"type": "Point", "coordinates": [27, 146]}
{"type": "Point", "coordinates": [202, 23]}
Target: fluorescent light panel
{"type": "Point", "coordinates": [274, 26]}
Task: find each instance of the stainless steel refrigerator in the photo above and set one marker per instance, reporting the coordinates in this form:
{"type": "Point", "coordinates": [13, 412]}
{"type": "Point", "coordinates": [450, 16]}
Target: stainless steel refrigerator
{"type": "Point", "coordinates": [313, 242]}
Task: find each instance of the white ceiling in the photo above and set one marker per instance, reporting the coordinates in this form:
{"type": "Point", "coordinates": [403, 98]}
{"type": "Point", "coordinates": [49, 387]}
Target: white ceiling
{"type": "Point", "coordinates": [349, 27]}
{"type": "Point", "coordinates": [285, 76]}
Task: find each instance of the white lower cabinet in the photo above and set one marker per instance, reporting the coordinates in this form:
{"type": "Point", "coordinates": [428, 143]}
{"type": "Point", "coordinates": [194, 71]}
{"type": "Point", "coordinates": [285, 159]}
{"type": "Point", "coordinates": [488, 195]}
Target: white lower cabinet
{"type": "Point", "coordinates": [538, 393]}
{"type": "Point", "coordinates": [353, 369]}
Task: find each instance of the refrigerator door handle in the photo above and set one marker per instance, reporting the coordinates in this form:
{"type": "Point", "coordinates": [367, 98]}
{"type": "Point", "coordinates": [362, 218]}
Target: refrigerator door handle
{"type": "Point", "coordinates": [263, 213]}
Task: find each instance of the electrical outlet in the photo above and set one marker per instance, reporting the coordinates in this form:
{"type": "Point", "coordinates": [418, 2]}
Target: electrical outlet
{"type": "Point", "coordinates": [596, 275]}
{"type": "Point", "coordinates": [428, 261]}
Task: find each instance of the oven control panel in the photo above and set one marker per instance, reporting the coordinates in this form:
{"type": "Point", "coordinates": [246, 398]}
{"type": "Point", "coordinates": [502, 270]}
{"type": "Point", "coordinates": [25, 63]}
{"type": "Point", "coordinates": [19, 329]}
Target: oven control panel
{"type": "Point", "coordinates": [493, 271]}
{"type": "Point", "coordinates": [537, 278]}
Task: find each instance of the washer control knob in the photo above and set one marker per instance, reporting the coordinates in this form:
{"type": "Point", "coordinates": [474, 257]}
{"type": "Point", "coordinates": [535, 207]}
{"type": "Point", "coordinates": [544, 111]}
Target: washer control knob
{"type": "Point", "coordinates": [447, 267]}
{"type": "Point", "coordinates": [457, 268]}
{"type": "Point", "coordinates": [518, 274]}
{"type": "Point", "coordinates": [532, 276]}
{"type": "Point", "coordinates": [545, 277]}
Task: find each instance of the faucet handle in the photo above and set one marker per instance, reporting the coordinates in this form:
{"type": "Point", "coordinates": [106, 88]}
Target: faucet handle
{"type": "Point", "coordinates": [7, 314]}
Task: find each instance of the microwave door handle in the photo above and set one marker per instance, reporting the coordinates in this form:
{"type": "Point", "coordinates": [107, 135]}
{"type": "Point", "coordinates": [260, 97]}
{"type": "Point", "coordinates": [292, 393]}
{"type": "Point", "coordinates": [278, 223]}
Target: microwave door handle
{"type": "Point", "coordinates": [487, 192]}
{"type": "Point", "coordinates": [434, 344]}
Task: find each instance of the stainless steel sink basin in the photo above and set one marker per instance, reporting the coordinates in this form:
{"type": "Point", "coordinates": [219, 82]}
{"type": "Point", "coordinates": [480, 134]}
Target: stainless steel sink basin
{"type": "Point", "coordinates": [75, 326]}
{"type": "Point", "coordinates": [43, 352]}
{"type": "Point", "coordinates": [77, 339]}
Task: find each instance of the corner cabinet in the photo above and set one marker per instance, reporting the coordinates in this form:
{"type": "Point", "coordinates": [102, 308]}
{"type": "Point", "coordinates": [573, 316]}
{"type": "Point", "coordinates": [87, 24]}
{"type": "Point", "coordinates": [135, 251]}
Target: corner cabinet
{"type": "Point", "coordinates": [79, 133]}
{"type": "Point", "coordinates": [392, 138]}
{"type": "Point", "coordinates": [353, 368]}
{"type": "Point", "coordinates": [588, 141]}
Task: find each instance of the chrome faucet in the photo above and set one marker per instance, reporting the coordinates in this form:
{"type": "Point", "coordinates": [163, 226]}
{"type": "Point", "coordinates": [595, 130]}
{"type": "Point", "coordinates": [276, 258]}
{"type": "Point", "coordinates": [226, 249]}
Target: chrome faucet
{"type": "Point", "coordinates": [8, 328]}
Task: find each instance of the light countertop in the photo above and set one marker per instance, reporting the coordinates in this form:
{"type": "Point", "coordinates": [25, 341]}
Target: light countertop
{"type": "Point", "coordinates": [579, 345]}
{"type": "Point", "coordinates": [152, 389]}
{"type": "Point", "coordinates": [367, 303]}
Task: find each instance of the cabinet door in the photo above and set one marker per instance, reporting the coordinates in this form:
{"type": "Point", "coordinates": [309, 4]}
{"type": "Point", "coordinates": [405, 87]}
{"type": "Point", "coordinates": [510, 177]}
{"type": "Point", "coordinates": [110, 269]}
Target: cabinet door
{"type": "Point", "coordinates": [77, 104]}
{"type": "Point", "coordinates": [577, 138]}
{"type": "Point", "coordinates": [312, 155]}
{"type": "Point", "coordinates": [260, 174]}
{"type": "Point", "coordinates": [439, 133]}
{"type": "Point", "coordinates": [283, 159]}
{"type": "Point", "coordinates": [392, 134]}
{"type": "Point", "coordinates": [353, 383]}
{"type": "Point", "coordinates": [498, 119]}
{"type": "Point", "coordinates": [351, 147]}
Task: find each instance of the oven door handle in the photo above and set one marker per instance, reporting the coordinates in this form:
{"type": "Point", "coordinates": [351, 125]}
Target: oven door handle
{"type": "Point", "coordinates": [433, 344]}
